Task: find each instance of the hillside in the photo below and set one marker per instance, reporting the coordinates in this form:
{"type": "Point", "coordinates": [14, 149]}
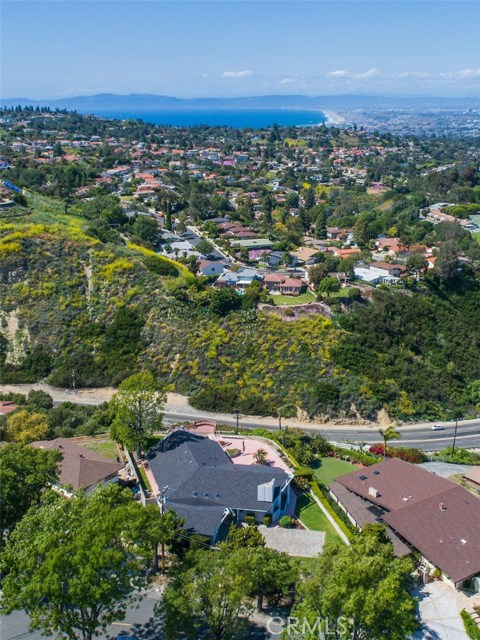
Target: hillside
{"type": "Point", "coordinates": [82, 312]}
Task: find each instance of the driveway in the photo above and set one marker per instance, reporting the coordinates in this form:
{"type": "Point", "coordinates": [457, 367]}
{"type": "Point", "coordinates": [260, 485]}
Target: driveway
{"type": "Point", "coordinates": [295, 542]}
{"type": "Point", "coordinates": [445, 469]}
{"type": "Point", "coordinates": [439, 610]}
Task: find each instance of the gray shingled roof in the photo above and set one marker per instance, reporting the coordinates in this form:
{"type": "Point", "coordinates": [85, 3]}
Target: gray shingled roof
{"type": "Point", "coordinates": [202, 480]}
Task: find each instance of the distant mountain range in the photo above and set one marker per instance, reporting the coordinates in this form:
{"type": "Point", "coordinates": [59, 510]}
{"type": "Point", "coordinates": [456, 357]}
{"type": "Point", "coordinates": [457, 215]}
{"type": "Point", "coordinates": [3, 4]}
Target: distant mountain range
{"type": "Point", "coordinates": [104, 102]}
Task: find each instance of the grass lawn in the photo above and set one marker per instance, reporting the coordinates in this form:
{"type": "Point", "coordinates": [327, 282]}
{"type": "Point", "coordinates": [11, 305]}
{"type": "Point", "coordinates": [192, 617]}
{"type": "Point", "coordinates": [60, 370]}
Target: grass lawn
{"type": "Point", "coordinates": [106, 448]}
{"type": "Point", "coordinates": [143, 475]}
{"type": "Point", "coordinates": [310, 514]}
{"type": "Point", "coordinates": [330, 468]}
{"type": "Point", "coordinates": [289, 300]}
{"type": "Point", "coordinates": [477, 236]}
{"type": "Point", "coordinates": [345, 292]}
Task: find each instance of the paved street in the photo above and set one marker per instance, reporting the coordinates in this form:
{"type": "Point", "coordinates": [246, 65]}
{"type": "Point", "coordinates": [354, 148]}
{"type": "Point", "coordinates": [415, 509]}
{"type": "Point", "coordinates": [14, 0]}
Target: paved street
{"type": "Point", "coordinates": [139, 622]}
{"type": "Point", "coordinates": [177, 409]}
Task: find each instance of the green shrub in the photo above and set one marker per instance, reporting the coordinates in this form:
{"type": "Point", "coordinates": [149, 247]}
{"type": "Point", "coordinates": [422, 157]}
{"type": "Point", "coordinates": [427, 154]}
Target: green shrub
{"type": "Point", "coordinates": [267, 519]}
{"type": "Point", "coordinates": [250, 519]}
{"type": "Point", "coordinates": [160, 266]}
{"type": "Point", "coordinates": [471, 628]}
{"type": "Point", "coordinates": [303, 472]}
{"type": "Point", "coordinates": [285, 522]}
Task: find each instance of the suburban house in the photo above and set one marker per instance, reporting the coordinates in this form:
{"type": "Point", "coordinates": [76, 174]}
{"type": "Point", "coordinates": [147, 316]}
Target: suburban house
{"type": "Point", "coordinates": [240, 279]}
{"type": "Point", "coordinates": [272, 282]}
{"type": "Point", "coordinates": [422, 511]}
{"type": "Point", "coordinates": [291, 286]}
{"type": "Point", "coordinates": [210, 268]}
{"type": "Point", "coordinates": [393, 270]}
{"type": "Point", "coordinates": [379, 273]}
{"type": "Point", "coordinates": [275, 258]}
{"type": "Point", "coordinates": [305, 256]}
{"type": "Point", "coordinates": [203, 486]}
{"type": "Point", "coordinates": [81, 468]}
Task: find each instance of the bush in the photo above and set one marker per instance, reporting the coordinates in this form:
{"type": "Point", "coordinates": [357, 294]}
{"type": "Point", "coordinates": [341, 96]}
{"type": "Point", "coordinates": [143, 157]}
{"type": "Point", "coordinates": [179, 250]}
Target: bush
{"type": "Point", "coordinates": [267, 519]}
{"type": "Point", "coordinates": [233, 453]}
{"type": "Point", "coordinates": [160, 266]}
{"type": "Point", "coordinates": [250, 519]}
{"type": "Point", "coordinates": [415, 456]}
{"type": "Point", "coordinates": [285, 522]}
{"type": "Point", "coordinates": [303, 472]}
{"type": "Point", "coordinates": [459, 456]}
{"type": "Point", "coordinates": [471, 628]}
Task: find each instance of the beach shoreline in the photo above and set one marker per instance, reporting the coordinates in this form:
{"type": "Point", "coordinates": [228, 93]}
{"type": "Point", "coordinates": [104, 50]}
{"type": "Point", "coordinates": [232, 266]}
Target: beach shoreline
{"type": "Point", "coordinates": [332, 118]}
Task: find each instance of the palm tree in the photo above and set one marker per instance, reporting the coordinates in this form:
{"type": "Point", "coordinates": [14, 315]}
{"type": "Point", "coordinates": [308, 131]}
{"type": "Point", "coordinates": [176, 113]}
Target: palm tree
{"type": "Point", "coordinates": [260, 456]}
{"type": "Point", "coordinates": [388, 434]}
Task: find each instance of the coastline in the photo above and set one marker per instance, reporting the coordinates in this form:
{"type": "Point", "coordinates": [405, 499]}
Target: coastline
{"type": "Point", "coordinates": [332, 118]}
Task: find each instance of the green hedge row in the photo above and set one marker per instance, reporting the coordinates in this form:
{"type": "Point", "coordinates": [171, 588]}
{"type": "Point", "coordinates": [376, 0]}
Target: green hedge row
{"type": "Point", "coordinates": [471, 628]}
{"type": "Point", "coordinates": [323, 499]}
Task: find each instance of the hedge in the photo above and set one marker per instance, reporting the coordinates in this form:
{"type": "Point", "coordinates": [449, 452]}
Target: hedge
{"type": "Point", "coordinates": [356, 456]}
{"type": "Point", "coordinates": [320, 495]}
{"type": "Point", "coordinates": [471, 628]}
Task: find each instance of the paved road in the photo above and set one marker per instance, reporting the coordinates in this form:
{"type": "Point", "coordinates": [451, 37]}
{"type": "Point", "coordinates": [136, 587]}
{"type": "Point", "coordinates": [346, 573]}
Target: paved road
{"type": "Point", "coordinates": [421, 436]}
{"type": "Point", "coordinates": [177, 409]}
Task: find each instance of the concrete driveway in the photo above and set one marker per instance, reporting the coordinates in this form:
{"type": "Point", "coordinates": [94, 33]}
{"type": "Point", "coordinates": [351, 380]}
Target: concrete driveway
{"type": "Point", "coordinates": [295, 542]}
{"type": "Point", "coordinates": [439, 611]}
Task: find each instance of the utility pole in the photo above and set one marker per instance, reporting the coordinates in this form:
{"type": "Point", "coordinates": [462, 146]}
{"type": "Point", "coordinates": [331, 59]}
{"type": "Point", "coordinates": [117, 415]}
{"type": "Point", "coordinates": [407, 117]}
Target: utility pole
{"type": "Point", "coordinates": [455, 435]}
{"type": "Point", "coordinates": [237, 414]}
{"type": "Point", "coordinates": [162, 499]}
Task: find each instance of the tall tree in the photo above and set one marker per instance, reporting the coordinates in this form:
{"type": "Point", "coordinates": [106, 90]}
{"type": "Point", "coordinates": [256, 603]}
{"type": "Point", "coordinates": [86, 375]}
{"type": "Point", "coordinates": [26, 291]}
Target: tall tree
{"type": "Point", "coordinates": [206, 596]}
{"type": "Point", "coordinates": [24, 474]}
{"type": "Point", "coordinates": [25, 426]}
{"type": "Point", "coordinates": [137, 407]}
{"type": "Point", "coordinates": [73, 565]}
{"type": "Point", "coordinates": [358, 592]}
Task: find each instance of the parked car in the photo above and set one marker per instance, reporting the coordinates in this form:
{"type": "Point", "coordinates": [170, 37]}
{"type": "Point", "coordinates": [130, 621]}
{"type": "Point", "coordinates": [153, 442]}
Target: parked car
{"type": "Point", "coordinates": [437, 427]}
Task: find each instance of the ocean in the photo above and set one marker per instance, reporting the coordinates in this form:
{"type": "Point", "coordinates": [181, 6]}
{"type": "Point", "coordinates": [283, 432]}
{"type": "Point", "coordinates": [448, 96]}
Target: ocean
{"type": "Point", "coordinates": [236, 118]}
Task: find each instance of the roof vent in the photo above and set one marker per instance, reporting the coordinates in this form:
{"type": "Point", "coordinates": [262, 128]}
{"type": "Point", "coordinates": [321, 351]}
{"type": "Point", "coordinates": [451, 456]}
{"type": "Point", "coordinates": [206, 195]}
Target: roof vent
{"type": "Point", "coordinates": [362, 477]}
{"type": "Point", "coordinates": [376, 472]}
{"type": "Point", "coordinates": [195, 494]}
{"type": "Point", "coordinates": [463, 541]}
{"type": "Point", "coordinates": [217, 496]}
{"type": "Point", "coordinates": [442, 507]}
{"type": "Point", "coordinates": [206, 494]}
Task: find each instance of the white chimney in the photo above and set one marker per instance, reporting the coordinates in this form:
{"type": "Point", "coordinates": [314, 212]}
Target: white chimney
{"type": "Point", "coordinates": [373, 492]}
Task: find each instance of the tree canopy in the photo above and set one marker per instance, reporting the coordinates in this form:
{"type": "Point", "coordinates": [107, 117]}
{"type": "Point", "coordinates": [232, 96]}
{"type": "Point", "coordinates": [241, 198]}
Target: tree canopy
{"type": "Point", "coordinates": [73, 565]}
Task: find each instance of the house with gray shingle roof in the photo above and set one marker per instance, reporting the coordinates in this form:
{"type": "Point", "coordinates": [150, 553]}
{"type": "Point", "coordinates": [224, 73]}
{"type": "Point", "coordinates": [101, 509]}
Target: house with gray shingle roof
{"type": "Point", "coordinates": [205, 488]}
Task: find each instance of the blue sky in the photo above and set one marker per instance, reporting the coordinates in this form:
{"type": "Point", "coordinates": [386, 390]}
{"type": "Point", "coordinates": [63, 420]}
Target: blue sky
{"type": "Point", "coordinates": [239, 47]}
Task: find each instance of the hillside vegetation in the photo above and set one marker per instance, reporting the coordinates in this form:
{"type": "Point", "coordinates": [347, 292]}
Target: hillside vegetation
{"type": "Point", "coordinates": [82, 312]}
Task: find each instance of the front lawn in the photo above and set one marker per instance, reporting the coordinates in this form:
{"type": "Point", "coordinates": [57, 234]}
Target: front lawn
{"type": "Point", "coordinates": [310, 514]}
{"type": "Point", "coordinates": [328, 469]}
{"type": "Point", "coordinates": [303, 298]}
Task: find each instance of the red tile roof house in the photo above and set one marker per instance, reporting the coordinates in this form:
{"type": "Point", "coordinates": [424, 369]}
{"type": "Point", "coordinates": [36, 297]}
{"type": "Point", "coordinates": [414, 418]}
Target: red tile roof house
{"type": "Point", "coordinates": [291, 287]}
{"type": "Point", "coordinates": [7, 407]}
{"type": "Point", "coordinates": [81, 468]}
{"type": "Point", "coordinates": [273, 281]}
{"type": "Point", "coordinates": [423, 511]}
